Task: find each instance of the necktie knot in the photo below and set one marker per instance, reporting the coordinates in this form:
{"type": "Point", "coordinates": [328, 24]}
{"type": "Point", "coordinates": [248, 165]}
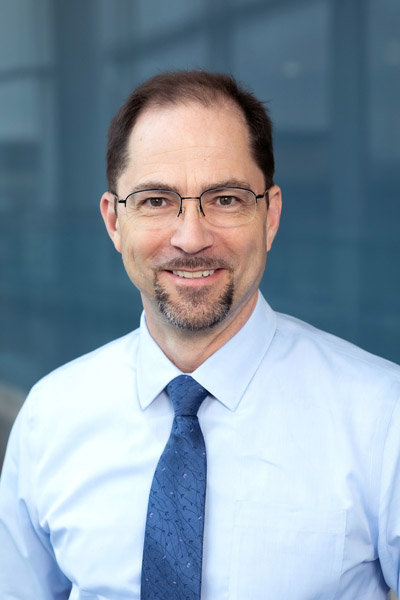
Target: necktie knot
{"type": "Point", "coordinates": [186, 395]}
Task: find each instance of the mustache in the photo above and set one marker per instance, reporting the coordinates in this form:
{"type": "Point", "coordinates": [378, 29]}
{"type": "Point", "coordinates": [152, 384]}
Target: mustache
{"type": "Point", "coordinates": [194, 262]}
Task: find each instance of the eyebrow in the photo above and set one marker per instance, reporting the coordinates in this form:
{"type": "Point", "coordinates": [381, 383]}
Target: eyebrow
{"type": "Point", "coordinates": [159, 185]}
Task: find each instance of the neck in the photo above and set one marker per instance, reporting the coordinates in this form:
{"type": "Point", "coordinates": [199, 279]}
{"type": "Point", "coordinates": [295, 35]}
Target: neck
{"type": "Point", "coordinates": [187, 350]}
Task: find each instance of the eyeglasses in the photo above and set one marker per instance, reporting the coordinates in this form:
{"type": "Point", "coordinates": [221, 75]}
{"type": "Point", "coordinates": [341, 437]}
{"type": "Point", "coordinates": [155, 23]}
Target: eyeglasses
{"type": "Point", "coordinates": [222, 207]}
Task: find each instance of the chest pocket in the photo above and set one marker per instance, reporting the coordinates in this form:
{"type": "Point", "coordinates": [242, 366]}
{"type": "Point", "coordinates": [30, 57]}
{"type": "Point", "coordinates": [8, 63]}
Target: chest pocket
{"type": "Point", "coordinates": [280, 553]}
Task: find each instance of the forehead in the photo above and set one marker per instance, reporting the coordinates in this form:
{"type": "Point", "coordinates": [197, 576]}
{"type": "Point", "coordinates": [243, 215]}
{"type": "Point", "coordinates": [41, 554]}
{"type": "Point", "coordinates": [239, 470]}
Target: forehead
{"type": "Point", "coordinates": [189, 142]}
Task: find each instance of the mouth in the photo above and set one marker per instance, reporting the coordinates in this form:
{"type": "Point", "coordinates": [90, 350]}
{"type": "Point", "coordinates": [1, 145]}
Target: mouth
{"type": "Point", "coordinates": [194, 274]}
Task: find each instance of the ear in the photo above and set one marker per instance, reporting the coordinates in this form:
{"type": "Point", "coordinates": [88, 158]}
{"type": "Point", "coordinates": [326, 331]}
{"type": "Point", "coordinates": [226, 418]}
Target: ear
{"type": "Point", "coordinates": [273, 214]}
{"type": "Point", "coordinates": [110, 217]}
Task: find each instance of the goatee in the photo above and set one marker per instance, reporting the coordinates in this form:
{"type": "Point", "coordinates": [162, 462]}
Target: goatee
{"type": "Point", "coordinates": [192, 310]}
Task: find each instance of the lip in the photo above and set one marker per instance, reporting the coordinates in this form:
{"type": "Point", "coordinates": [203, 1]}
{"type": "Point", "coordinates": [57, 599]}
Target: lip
{"type": "Point", "coordinates": [193, 274]}
{"type": "Point", "coordinates": [194, 281]}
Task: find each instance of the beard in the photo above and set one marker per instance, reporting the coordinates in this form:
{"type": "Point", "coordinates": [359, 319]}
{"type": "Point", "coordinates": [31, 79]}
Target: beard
{"type": "Point", "coordinates": [192, 310]}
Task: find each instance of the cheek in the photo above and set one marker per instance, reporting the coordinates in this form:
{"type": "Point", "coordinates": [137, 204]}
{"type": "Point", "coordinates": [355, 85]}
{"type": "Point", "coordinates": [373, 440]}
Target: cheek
{"type": "Point", "coordinates": [140, 250]}
{"type": "Point", "coordinates": [252, 259]}
{"type": "Point", "coordinates": [130, 250]}
{"type": "Point", "coordinates": [250, 246]}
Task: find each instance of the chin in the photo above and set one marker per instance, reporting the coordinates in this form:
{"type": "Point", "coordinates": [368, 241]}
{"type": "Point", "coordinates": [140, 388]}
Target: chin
{"type": "Point", "coordinates": [192, 310]}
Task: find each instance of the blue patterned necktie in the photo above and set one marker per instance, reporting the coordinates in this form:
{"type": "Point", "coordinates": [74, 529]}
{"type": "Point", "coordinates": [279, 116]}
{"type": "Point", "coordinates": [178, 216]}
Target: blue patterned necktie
{"type": "Point", "coordinates": [173, 544]}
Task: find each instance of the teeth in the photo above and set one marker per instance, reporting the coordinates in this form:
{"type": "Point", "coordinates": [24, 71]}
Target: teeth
{"type": "Point", "coordinates": [193, 274]}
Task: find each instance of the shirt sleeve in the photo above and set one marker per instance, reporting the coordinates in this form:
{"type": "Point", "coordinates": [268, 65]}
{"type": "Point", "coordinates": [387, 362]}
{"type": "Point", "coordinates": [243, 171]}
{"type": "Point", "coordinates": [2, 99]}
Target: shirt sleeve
{"type": "Point", "coordinates": [389, 513]}
{"type": "Point", "coordinates": [28, 569]}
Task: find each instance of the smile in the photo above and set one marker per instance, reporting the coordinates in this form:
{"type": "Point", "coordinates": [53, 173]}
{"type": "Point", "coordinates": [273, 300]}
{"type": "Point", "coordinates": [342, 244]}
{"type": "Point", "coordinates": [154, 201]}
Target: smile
{"type": "Point", "coordinates": [193, 274]}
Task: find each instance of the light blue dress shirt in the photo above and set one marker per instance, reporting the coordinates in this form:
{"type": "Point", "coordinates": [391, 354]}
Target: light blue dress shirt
{"type": "Point", "coordinates": [302, 433]}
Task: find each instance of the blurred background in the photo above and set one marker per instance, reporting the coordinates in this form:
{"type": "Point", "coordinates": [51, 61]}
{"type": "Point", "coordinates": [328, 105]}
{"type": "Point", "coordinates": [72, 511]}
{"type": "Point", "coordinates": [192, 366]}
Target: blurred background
{"type": "Point", "coordinates": [330, 70]}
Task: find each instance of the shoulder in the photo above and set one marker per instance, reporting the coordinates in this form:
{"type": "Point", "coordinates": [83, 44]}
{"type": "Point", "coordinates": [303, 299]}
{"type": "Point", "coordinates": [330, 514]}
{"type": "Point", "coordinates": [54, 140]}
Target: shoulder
{"type": "Point", "coordinates": [328, 358]}
{"type": "Point", "coordinates": [115, 353]}
{"type": "Point", "coordinates": [89, 378]}
{"type": "Point", "coordinates": [298, 332]}
{"type": "Point", "coordinates": [351, 394]}
{"type": "Point", "coordinates": [81, 401]}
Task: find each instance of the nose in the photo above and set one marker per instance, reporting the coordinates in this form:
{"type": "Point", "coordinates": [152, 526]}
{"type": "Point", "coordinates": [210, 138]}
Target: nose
{"type": "Point", "coordinates": [191, 232]}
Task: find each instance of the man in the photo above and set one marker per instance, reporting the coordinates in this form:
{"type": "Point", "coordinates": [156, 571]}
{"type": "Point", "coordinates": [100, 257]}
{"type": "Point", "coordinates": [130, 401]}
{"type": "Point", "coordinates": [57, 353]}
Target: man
{"type": "Point", "coordinates": [300, 429]}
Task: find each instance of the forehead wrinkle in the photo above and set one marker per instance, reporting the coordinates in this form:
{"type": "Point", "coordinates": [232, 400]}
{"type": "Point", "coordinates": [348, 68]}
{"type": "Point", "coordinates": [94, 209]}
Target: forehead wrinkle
{"type": "Point", "coordinates": [184, 176]}
{"type": "Point", "coordinates": [161, 165]}
{"type": "Point", "coordinates": [189, 152]}
{"type": "Point", "coordinates": [210, 141]}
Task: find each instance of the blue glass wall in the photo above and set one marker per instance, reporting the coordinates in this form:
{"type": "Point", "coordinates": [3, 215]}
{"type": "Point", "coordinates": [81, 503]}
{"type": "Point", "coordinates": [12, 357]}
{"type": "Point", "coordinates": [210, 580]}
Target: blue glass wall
{"type": "Point", "coordinates": [330, 70]}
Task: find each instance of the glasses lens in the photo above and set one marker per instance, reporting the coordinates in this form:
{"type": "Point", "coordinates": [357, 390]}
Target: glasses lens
{"type": "Point", "coordinates": [152, 209]}
{"type": "Point", "coordinates": [228, 207]}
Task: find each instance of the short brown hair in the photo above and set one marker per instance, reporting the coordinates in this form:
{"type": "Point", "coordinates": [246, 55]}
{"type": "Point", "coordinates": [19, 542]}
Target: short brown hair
{"type": "Point", "coordinates": [200, 86]}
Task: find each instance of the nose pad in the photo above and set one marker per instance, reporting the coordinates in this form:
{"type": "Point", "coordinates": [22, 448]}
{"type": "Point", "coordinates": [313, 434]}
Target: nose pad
{"type": "Point", "coordinates": [199, 210]}
{"type": "Point", "coordinates": [182, 208]}
{"type": "Point", "coordinates": [190, 234]}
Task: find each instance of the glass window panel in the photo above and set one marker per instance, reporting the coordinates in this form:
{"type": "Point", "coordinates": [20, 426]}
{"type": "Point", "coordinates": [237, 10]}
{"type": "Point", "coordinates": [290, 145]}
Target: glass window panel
{"type": "Point", "coordinates": [28, 153]}
{"type": "Point", "coordinates": [19, 110]}
{"type": "Point", "coordinates": [384, 79]}
{"type": "Point", "coordinates": [283, 54]}
{"type": "Point", "coordinates": [247, 3]}
{"type": "Point", "coordinates": [155, 17]}
{"type": "Point", "coordinates": [181, 54]}
{"type": "Point", "coordinates": [125, 20]}
{"type": "Point", "coordinates": [24, 33]}
{"type": "Point", "coordinates": [117, 20]}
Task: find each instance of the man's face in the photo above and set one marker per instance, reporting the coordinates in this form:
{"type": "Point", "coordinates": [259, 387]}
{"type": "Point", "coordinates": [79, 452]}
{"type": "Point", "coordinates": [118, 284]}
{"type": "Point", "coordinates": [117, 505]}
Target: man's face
{"type": "Point", "coordinates": [191, 148]}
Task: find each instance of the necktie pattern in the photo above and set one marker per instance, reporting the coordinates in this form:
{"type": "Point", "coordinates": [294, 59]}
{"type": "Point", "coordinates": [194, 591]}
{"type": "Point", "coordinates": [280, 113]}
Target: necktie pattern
{"type": "Point", "coordinates": [173, 546]}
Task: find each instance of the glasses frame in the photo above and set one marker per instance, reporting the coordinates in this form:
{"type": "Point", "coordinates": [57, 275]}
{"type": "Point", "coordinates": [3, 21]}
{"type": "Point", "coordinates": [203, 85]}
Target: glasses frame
{"type": "Point", "coordinates": [200, 207]}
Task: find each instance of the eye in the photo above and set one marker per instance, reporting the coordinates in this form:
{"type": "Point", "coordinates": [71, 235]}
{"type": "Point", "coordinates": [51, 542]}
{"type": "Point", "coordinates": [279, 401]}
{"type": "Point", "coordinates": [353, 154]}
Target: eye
{"type": "Point", "coordinates": [155, 202]}
{"type": "Point", "coordinates": [226, 200]}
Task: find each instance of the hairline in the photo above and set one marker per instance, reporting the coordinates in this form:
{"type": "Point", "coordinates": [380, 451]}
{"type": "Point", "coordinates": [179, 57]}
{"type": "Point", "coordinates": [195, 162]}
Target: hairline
{"type": "Point", "coordinates": [214, 99]}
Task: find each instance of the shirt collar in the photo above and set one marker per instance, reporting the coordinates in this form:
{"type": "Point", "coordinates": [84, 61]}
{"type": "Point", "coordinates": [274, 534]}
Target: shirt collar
{"type": "Point", "coordinates": [226, 374]}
